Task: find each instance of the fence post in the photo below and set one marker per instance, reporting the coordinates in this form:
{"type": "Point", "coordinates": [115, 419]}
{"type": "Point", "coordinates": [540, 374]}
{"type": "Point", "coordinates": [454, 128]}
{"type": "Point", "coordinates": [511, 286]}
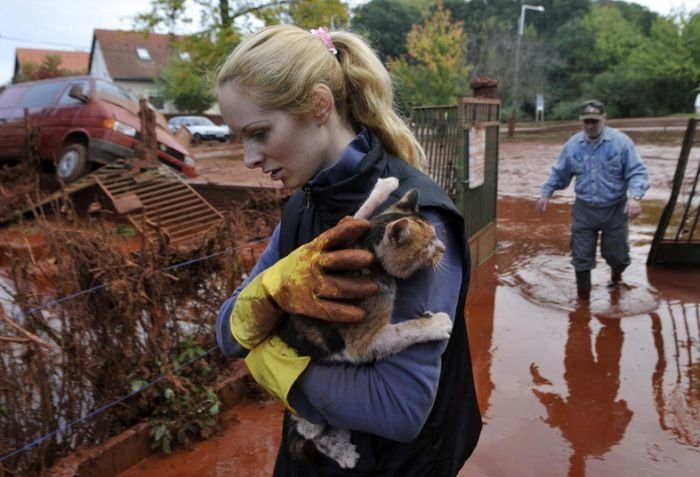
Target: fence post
{"type": "Point", "coordinates": [148, 131]}
{"type": "Point", "coordinates": [462, 153]}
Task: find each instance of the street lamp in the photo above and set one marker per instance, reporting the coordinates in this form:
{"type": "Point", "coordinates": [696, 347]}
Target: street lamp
{"type": "Point", "coordinates": [521, 26]}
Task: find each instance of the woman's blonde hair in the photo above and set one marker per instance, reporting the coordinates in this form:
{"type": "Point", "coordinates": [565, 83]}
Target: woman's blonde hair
{"type": "Point", "coordinates": [280, 64]}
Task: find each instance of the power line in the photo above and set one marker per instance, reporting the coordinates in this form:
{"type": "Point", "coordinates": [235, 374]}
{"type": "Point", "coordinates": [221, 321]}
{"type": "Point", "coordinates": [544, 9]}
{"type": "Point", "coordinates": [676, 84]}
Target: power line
{"type": "Point", "coordinates": [38, 42]}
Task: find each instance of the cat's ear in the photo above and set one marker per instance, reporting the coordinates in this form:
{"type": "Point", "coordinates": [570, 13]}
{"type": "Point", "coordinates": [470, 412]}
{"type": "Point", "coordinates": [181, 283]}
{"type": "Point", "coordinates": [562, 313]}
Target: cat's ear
{"type": "Point", "coordinates": [399, 231]}
{"type": "Point", "coordinates": [409, 202]}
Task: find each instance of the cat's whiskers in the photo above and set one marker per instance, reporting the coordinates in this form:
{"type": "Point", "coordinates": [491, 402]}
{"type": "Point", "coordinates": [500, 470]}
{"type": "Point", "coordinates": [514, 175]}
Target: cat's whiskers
{"type": "Point", "coordinates": [439, 267]}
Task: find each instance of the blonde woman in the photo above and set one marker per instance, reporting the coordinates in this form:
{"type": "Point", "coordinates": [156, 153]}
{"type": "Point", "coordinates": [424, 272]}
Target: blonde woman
{"type": "Point", "coordinates": [315, 111]}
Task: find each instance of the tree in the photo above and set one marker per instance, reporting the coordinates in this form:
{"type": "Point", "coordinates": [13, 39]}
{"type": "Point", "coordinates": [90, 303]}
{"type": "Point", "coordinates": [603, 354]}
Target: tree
{"type": "Point", "coordinates": [658, 76]}
{"type": "Point", "coordinates": [49, 68]}
{"type": "Point", "coordinates": [691, 36]}
{"type": "Point", "coordinates": [312, 14]}
{"type": "Point", "coordinates": [187, 79]}
{"type": "Point", "coordinates": [613, 37]}
{"type": "Point", "coordinates": [386, 24]}
{"type": "Point", "coordinates": [434, 71]}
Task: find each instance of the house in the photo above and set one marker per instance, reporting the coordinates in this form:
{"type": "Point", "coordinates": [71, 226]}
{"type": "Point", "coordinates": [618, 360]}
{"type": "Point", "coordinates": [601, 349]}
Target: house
{"type": "Point", "coordinates": [133, 60]}
{"type": "Point", "coordinates": [75, 62]}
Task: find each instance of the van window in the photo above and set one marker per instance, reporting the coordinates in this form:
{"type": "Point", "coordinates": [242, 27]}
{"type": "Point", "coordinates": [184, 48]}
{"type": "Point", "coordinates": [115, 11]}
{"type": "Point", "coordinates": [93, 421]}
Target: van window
{"type": "Point", "coordinates": [10, 97]}
{"type": "Point", "coordinates": [67, 100]}
{"type": "Point", "coordinates": [41, 95]}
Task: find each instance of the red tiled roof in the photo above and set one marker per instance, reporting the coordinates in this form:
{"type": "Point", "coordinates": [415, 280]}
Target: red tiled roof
{"type": "Point", "coordinates": [119, 51]}
{"type": "Point", "coordinates": [76, 61]}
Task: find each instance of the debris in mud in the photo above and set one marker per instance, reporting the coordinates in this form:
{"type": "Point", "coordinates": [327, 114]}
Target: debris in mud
{"type": "Point", "coordinates": [94, 314]}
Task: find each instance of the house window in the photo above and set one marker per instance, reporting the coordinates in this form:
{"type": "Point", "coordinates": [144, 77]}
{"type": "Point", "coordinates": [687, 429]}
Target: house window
{"type": "Point", "coordinates": [157, 101]}
{"type": "Point", "coordinates": [143, 54]}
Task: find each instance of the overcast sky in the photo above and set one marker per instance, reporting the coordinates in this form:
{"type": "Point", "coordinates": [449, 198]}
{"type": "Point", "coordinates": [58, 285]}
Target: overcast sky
{"type": "Point", "coordinates": [69, 24]}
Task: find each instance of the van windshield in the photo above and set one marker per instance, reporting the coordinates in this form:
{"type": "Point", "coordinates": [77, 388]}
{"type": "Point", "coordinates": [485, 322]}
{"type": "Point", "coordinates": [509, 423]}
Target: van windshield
{"type": "Point", "coordinates": [111, 89]}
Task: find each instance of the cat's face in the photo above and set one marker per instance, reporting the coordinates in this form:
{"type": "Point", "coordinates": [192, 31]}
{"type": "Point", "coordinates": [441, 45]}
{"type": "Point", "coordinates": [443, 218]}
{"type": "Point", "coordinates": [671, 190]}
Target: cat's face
{"type": "Point", "coordinates": [409, 242]}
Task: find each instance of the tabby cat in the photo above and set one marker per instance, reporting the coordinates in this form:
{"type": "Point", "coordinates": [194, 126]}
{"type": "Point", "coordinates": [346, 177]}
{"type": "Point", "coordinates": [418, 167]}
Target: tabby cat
{"type": "Point", "coordinates": [403, 242]}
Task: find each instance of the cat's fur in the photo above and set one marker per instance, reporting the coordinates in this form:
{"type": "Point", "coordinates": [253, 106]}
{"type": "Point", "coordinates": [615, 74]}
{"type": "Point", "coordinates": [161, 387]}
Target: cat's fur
{"type": "Point", "coordinates": [403, 242]}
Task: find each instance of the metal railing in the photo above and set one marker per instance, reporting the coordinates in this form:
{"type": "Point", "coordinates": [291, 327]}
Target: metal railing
{"type": "Point", "coordinates": [677, 237]}
{"type": "Point", "coordinates": [461, 146]}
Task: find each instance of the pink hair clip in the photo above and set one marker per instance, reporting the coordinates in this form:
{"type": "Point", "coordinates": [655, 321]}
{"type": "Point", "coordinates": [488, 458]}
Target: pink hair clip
{"type": "Point", "coordinates": [322, 33]}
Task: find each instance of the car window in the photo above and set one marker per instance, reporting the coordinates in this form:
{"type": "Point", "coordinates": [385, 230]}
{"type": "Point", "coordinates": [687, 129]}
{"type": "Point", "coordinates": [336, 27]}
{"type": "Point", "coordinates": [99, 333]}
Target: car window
{"type": "Point", "coordinates": [10, 97]}
{"type": "Point", "coordinates": [201, 122]}
{"type": "Point", "coordinates": [41, 95]}
{"type": "Point", "coordinates": [65, 97]}
{"type": "Point", "coordinates": [114, 90]}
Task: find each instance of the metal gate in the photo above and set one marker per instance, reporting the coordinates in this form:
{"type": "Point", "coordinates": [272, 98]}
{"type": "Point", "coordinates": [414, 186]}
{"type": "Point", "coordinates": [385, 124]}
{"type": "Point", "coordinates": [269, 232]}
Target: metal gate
{"type": "Point", "coordinates": [677, 238]}
{"type": "Point", "coordinates": [461, 146]}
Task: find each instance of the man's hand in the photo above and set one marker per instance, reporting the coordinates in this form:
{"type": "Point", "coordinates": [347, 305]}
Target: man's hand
{"type": "Point", "coordinates": [542, 204]}
{"type": "Point", "coordinates": [633, 208]}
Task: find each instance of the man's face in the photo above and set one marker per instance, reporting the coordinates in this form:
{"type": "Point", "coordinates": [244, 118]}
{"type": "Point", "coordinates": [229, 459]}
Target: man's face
{"type": "Point", "coordinates": [593, 127]}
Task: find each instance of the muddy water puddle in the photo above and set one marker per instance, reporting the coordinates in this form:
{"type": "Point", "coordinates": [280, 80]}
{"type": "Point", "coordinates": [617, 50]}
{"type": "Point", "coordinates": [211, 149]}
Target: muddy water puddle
{"type": "Point", "coordinates": [611, 388]}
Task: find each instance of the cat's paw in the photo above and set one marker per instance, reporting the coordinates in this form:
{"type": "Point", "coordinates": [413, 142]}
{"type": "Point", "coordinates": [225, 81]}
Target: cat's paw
{"type": "Point", "coordinates": [336, 444]}
{"type": "Point", "coordinates": [308, 430]}
{"type": "Point", "coordinates": [349, 458]}
{"type": "Point", "coordinates": [440, 325]}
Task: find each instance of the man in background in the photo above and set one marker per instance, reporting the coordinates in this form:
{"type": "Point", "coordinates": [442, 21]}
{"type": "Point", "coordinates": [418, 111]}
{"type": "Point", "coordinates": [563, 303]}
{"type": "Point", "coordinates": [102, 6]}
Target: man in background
{"type": "Point", "coordinates": [611, 180]}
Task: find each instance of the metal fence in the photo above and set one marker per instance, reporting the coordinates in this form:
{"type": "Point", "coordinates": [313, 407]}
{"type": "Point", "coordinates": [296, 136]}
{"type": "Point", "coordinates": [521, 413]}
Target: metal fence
{"type": "Point", "coordinates": [677, 238]}
{"type": "Point", "coordinates": [461, 145]}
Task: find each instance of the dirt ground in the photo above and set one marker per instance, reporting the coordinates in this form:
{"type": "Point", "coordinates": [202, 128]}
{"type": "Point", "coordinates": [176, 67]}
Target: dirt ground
{"type": "Point", "coordinates": [222, 164]}
{"type": "Point", "coordinates": [609, 389]}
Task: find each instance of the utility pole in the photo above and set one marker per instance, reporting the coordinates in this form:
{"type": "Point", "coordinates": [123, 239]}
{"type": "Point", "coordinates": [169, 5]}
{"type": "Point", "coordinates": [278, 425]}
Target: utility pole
{"type": "Point", "coordinates": [521, 26]}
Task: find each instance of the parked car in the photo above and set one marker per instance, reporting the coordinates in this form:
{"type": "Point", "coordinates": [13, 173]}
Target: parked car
{"type": "Point", "coordinates": [201, 128]}
{"type": "Point", "coordinates": [83, 122]}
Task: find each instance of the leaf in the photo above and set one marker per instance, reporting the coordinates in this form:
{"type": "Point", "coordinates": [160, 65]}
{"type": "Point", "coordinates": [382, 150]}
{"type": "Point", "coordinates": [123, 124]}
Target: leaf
{"type": "Point", "coordinates": [169, 394]}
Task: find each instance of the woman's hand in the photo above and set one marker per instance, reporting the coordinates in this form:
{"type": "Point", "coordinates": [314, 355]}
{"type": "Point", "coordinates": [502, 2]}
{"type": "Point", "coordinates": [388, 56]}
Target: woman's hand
{"type": "Point", "coordinates": [305, 283]}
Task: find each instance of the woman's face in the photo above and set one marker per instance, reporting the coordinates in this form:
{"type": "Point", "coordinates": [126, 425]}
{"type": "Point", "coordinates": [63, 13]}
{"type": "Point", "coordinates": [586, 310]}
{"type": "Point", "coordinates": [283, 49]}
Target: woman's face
{"type": "Point", "coordinates": [289, 147]}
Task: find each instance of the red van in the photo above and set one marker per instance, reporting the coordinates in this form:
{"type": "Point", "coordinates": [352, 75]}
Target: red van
{"type": "Point", "coordinates": [83, 122]}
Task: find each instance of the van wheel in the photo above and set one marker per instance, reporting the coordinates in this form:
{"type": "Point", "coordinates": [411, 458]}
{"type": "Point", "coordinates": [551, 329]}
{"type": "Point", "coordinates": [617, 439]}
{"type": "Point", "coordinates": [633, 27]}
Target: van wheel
{"type": "Point", "coordinates": [197, 139]}
{"type": "Point", "coordinates": [72, 163]}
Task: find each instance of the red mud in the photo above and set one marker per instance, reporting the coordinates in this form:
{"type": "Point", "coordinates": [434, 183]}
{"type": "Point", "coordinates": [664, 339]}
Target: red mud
{"type": "Point", "coordinates": [608, 390]}
{"type": "Point", "coordinates": [246, 448]}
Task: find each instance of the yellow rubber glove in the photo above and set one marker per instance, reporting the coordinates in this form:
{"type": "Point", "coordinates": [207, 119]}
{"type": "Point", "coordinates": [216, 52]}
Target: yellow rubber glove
{"type": "Point", "coordinates": [301, 283]}
{"type": "Point", "coordinates": [276, 366]}
{"type": "Point", "coordinates": [304, 283]}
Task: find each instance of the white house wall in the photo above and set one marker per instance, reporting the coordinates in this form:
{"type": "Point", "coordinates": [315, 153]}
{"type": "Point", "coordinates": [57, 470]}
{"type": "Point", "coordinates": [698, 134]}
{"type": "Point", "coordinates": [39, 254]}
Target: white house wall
{"type": "Point", "coordinates": [98, 67]}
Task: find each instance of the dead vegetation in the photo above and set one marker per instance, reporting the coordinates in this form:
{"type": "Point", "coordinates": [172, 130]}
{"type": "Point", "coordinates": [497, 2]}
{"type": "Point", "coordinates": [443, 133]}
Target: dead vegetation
{"type": "Point", "coordinates": [94, 317]}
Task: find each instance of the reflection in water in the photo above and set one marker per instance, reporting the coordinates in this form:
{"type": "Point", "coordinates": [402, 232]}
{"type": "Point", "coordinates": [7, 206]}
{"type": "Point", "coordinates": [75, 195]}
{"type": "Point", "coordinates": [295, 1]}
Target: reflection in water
{"type": "Point", "coordinates": [589, 418]}
{"type": "Point", "coordinates": [482, 301]}
{"type": "Point", "coordinates": [678, 401]}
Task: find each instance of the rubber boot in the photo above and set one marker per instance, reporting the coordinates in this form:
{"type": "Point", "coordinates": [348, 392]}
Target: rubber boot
{"type": "Point", "coordinates": [615, 277]}
{"type": "Point", "coordinates": [583, 285]}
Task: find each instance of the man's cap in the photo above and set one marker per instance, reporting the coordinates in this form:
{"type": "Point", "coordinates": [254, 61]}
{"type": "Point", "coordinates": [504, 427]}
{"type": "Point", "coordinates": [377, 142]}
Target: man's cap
{"type": "Point", "coordinates": [592, 109]}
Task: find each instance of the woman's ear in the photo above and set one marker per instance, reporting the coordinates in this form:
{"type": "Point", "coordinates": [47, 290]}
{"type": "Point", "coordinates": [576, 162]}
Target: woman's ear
{"type": "Point", "coordinates": [323, 104]}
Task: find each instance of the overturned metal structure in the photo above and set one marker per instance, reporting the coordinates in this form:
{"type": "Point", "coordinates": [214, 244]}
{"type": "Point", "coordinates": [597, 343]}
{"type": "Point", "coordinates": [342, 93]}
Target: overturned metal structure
{"type": "Point", "coordinates": [154, 199]}
{"type": "Point", "coordinates": [677, 238]}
